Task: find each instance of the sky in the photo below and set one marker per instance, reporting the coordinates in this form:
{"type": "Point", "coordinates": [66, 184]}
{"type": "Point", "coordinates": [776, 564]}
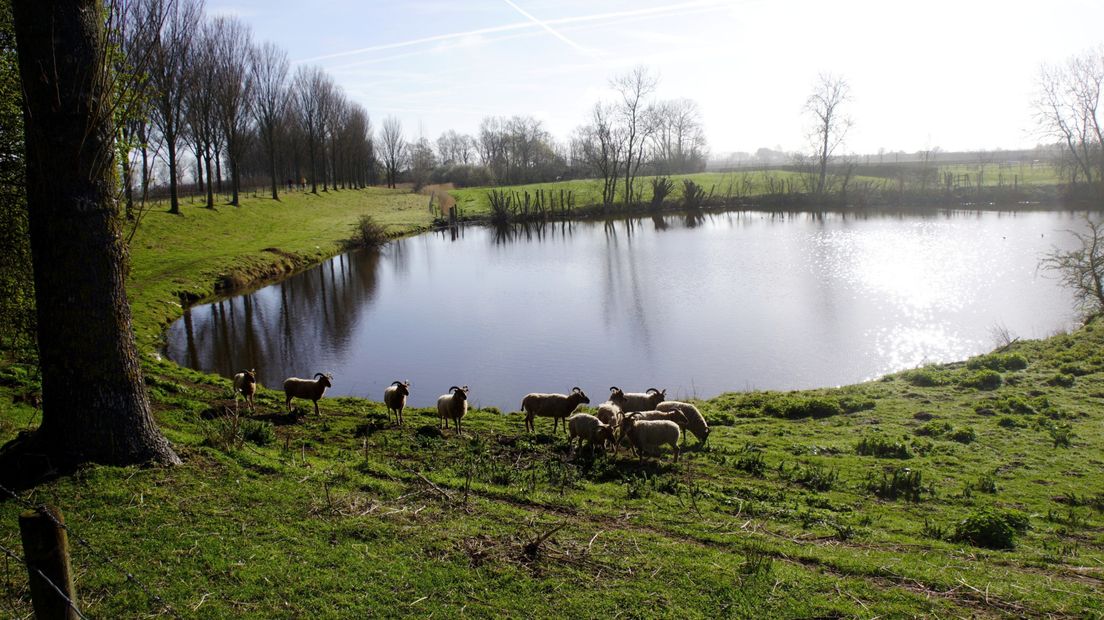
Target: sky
{"type": "Point", "coordinates": [954, 75]}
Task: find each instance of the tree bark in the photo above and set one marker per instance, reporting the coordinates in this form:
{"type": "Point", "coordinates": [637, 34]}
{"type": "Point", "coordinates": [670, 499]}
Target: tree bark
{"type": "Point", "coordinates": [95, 407]}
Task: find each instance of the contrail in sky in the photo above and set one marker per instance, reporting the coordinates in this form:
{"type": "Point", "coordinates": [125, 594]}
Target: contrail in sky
{"type": "Point", "coordinates": [533, 22]}
{"type": "Point", "coordinates": [552, 31]}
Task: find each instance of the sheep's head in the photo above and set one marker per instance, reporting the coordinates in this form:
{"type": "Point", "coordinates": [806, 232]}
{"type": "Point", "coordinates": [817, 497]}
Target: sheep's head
{"type": "Point", "coordinates": [250, 375]}
{"type": "Point", "coordinates": [403, 388]}
{"type": "Point", "coordinates": [578, 394]}
{"type": "Point", "coordinates": [459, 392]}
{"type": "Point", "coordinates": [617, 396]}
{"type": "Point", "coordinates": [657, 394]}
{"type": "Point", "coordinates": [605, 432]}
{"type": "Point", "coordinates": [324, 379]}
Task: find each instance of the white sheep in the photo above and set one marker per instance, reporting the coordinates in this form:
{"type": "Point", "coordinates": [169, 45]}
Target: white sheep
{"type": "Point", "coordinates": [395, 399]}
{"type": "Point", "coordinates": [311, 389]}
{"type": "Point", "coordinates": [646, 401]}
{"type": "Point", "coordinates": [649, 435]}
{"type": "Point", "coordinates": [583, 426]}
{"type": "Point", "coordinates": [245, 383]}
{"type": "Point", "coordinates": [695, 421]}
{"type": "Point", "coordinates": [555, 406]}
{"type": "Point", "coordinates": [453, 406]}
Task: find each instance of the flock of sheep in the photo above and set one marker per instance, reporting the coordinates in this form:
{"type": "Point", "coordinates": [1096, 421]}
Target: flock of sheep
{"type": "Point", "coordinates": [645, 419]}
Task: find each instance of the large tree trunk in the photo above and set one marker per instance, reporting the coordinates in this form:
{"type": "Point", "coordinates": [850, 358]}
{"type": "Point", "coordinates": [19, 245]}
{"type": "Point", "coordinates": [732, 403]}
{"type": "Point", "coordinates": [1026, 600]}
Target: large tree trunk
{"type": "Point", "coordinates": [95, 406]}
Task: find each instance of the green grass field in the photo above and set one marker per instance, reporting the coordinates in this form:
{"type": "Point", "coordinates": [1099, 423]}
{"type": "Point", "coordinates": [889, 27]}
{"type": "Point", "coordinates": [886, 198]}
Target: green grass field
{"type": "Point", "coordinates": [752, 183]}
{"type": "Point", "coordinates": [873, 500]}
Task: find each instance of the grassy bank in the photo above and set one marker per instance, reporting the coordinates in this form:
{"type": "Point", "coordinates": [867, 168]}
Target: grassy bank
{"type": "Point", "coordinates": [972, 489]}
{"type": "Point", "coordinates": [182, 258]}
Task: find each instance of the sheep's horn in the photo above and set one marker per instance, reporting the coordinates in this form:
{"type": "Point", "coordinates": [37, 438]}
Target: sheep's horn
{"type": "Point", "coordinates": [318, 374]}
{"type": "Point", "coordinates": [455, 387]}
{"type": "Point", "coordinates": [396, 383]}
{"type": "Point", "coordinates": [576, 389]}
{"type": "Point", "coordinates": [651, 390]}
{"type": "Point", "coordinates": [614, 388]}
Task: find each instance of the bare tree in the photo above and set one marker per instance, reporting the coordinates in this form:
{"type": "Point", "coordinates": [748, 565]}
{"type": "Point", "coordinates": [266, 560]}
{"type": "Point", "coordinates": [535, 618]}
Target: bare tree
{"type": "Point", "coordinates": [633, 89]}
{"type": "Point", "coordinates": [233, 92]}
{"type": "Point", "coordinates": [200, 117]}
{"type": "Point", "coordinates": [168, 77]}
{"type": "Point", "coordinates": [95, 406]}
{"type": "Point", "coordinates": [394, 148]}
{"type": "Point", "coordinates": [1068, 109]}
{"type": "Point", "coordinates": [679, 137]}
{"type": "Point", "coordinates": [1082, 269]}
{"type": "Point", "coordinates": [454, 148]}
{"type": "Point", "coordinates": [270, 70]}
{"type": "Point", "coordinates": [309, 88]}
{"type": "Point", "coordinates": [599, 145]}
{"type": "Point", "coordinates": [825, 105]}
{"type": "Point", "coordinates": [336, 115]}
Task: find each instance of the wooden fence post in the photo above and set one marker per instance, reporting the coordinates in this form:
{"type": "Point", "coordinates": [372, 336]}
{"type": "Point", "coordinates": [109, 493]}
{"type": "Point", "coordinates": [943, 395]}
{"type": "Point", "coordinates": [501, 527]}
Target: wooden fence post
{"type": "Point", "coordinates": [46, 550]}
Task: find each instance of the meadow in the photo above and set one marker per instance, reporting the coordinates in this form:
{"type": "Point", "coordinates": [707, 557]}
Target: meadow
{"type": "Point", "coordinates": [969, 489]}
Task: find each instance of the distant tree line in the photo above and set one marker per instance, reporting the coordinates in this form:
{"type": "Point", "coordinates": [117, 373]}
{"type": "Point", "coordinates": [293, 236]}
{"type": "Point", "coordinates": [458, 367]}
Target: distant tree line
{"type": "Point", "coordinates": [218, 111]}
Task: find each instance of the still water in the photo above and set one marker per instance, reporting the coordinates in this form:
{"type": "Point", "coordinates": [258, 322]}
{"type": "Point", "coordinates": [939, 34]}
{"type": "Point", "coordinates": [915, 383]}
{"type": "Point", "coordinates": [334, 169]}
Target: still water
{"type": "Point", "coordinates": [734, 301]}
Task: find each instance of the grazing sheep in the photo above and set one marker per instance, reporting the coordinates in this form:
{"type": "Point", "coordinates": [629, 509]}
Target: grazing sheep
{"type": "Point", "coordinates": [245, 383]}
{"type": "Point", "coordinates": [675, 416]}
{"type": "Point", "coordinates": [311, 389]}
{"type": "Point", "coordinates": [395, 399]}
{"type": "Point", "coordinates": [649, 435]}
{"type": "Point", "coordinates": [555, 406]}
{"type": "Point", "coordinates": [453, 406]}
{"type": "Point", "coordinates": [695, 421]}
{"type": "Point", "coordinates": [636, 401]}
{"type": "Point", "coordinates": [585, 426]}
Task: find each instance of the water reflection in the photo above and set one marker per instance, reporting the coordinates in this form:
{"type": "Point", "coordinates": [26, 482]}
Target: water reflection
{"type": "Point", "coordinates": [698, 304]}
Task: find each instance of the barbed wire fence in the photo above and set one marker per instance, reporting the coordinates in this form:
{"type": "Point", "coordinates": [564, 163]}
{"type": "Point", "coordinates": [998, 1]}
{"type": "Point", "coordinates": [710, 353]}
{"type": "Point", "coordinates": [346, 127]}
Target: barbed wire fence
{"type": "Point", "coordinates": [156, 601]}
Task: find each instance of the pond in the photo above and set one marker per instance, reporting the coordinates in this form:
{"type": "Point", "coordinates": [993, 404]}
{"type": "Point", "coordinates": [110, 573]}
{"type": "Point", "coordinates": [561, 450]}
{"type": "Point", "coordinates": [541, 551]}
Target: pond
{"type": "Point", "coordinates": [699, 306]}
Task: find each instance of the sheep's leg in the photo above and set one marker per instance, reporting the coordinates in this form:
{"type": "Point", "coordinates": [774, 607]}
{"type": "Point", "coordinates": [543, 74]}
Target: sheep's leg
{"type": "Point", "coordinates": [676, 449]}
{"type": "Point", "coordinates": [316, 413]}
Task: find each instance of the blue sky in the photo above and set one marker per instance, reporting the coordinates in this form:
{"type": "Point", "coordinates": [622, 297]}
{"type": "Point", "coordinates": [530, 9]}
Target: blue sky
{"type": "Point", "coordinates": [941, 73]}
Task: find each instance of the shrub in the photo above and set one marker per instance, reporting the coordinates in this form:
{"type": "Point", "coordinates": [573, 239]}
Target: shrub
{"type": "Point", "coordinates": [1062, 434]}
{"type": "Point", "coordinates": [693, 195]}
{"type": "Point", "coordinates": [926, 377]}
{"type": "Point", "coordinates": [899, 482]}
{"type": "Point", "coordinates": [258, 432]}
{"type": "Point", "coordinates": [963, 435]}
{"type": "Point", "coordinates": [1061, 380]}
{"type": "Point", "coordinates": [935, 429]}
{"type": "Point", "coordinates": [882, 447]}
{"type": "Point", "coordinates": [990, 528]}
{"type": "Point", "coordinates": [1009, 422]}
{"type": "Point", "coordinates": [998, 362]}
{"type": "Point", "coordinates": [752, 461]}
{"type": "Point", "coordinates": [792, 407]}
{"type": "Point", "coordinates": [1076, 370]}
{"type": "Point", "coordinates": [367, 233]}
{"type": "Point", "coordinates": [986, 484]}
{"type": "Point", "coordinates": [983, 380]}
{"type": "Point", "coordinates": [813, 477]}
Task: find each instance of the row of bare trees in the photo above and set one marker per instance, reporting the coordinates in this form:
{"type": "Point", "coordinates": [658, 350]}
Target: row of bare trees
{"type": "Point", "coordinates": [207, 96]}
{"type": "Point", "coordinates": [635, 133]}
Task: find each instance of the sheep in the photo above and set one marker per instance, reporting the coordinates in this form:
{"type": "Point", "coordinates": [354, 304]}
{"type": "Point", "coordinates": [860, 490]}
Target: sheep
{"type": "Point", "coordinates": [635, 401]}
{"type": "Point", "coordinates": [453, 406]}
{"type": "Point", "coordinates": [555, 406]}
{"type": "Point", "coordinates": [696, 423]}
{"type": "Point", "coordinates": [311, 389]}
{"type": "Point", "coordinates": [585, 426]}
{"type": "Point", "coordinates": [675, 416]}
{"type": "Point", "coordinates": [648, 435]}
{"type": "Point", "coordinates": [245, 383]}
{"type": "Point", "coordinates": [395, 399]}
